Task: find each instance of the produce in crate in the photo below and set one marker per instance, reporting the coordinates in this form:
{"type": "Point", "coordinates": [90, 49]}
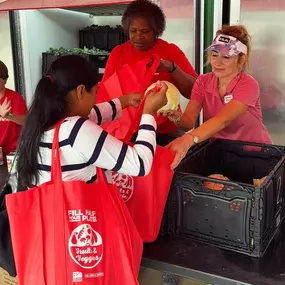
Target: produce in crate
{"type": "Point", "coordinates": [215, 186]}
{"type": "Point", "coordinates": [173, 97]}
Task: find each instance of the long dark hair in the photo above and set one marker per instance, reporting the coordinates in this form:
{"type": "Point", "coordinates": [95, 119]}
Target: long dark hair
{"type": "Point", "coordinates": [49, 105]}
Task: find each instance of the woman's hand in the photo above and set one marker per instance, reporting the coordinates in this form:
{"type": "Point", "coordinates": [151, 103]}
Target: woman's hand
{"type": "Point", "coordinates": [5, 108]}
{"type": "Point", "coordinates": [156, 99]}
{"type": "Point", "coordinates": [133, 100]}
{"type": "Point", "coordinates": [165, 65]}
{"type": "Point", "coordinates": [180, 146]}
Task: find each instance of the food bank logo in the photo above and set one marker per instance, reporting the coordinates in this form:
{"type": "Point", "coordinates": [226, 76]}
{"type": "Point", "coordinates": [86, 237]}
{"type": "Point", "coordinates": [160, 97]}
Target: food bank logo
{"type": "Point", "coordinates": [85, 246]}
{"type": "Point", "coordinates": [125, 185]}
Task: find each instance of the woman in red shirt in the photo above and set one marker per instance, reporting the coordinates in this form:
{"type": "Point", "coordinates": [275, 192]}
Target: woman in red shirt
{"type": "Point", "coordinates": [144, 21]}
{"type": "Point", "coordinates": [13, 111]}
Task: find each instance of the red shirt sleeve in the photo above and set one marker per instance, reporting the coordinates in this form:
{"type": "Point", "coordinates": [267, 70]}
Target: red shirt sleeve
{"type": "Point", "coordinates": [111, 65]}
{"type": "Point", "coordinates": [9, 131]}
{"type": "Point", "coordinates": [198, 91]}
{"type": "Point", "coordinates": [247, 91]}
{"type": "Point", "coordinates": [179, 57]}
{"type": "Point", "coordinates": [19, 106]}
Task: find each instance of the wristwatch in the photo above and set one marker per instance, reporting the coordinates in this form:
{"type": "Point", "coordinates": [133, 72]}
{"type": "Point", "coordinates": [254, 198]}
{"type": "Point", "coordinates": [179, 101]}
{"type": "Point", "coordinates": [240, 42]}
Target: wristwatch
{"type": "Point", "coordinates": [9, 115]}
{"type": "Point", "coordinates": [195, 138]}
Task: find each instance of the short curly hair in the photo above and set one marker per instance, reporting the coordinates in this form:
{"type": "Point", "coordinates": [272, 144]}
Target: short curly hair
{"type": "Point", "coordinates": [148, 10]}
{"type": "Point", "coordinates": [3, 71]}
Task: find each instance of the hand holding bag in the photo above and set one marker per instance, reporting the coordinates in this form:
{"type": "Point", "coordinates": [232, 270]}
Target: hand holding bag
{"type": "Point", "coordinates": [134, 78]}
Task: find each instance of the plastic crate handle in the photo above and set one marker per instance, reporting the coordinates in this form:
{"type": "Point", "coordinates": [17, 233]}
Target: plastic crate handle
{"type": "Point", "coordinates": [243, 146]}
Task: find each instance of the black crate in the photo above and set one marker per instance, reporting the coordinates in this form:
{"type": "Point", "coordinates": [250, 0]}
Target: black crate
{"type": "Point", "coordinates": [105, 38]}
{"type": "Point", "coordinates": [98, 61]}
{"type": "Point", "coordinates": [241, 217]}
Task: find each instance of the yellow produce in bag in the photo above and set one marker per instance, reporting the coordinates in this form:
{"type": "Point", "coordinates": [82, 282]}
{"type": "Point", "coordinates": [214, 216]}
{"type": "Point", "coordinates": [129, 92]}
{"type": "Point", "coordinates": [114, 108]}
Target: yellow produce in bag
{"type": "Point", "coordinates": [173, 97]}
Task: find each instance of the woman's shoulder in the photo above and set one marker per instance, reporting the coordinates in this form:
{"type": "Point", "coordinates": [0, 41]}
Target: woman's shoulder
{"type": "Point", "coordinates": [71, 124]}
{"type": "Point", "coordinates": [72, 120]}
{"type": "Point", "coordinates": [122, 48]}
{"type": "Point", "coordinates": [206, 78]}
{"type": "Point", "coordinates": [79, 123]}
{"type": "Point", "coordinates": [167, 45]}
{"type": "Point", "coordinates": [12, 93]}
{"type": "Point", "coordinates": [67, 124]}
{"type": "Point", "coordinates": [16, 99]}
{"type": "Point", "coordinates": [71, 127]}
{"type": "Point", "coordinates": [248, 81]}
{"type": "Point", "coordinates": [246, 77]}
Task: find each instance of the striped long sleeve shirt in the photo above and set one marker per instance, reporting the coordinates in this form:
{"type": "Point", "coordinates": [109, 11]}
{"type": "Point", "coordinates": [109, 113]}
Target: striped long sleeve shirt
{"type": "Point", "coordinates": [84, 145]}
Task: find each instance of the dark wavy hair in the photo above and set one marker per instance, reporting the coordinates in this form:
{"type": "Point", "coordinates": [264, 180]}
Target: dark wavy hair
{"type": "Point", "coordinates": [147, 10]}
{"type": "Point", "coordinates": [4, 74]}
{"type": "Point", "coordinates": [49, 105]}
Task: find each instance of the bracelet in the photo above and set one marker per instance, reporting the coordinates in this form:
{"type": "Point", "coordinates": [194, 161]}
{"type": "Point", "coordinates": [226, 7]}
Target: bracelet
{"type": "Point", "coordinates": [9, 115]}
{"type": "Point", "coordinates": [174, 66]}
{"type": "Point", "coordinates": [176, 120]}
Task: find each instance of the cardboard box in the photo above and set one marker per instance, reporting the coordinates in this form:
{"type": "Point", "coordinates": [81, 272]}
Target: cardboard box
{"type": "Point", "coordinates": [6, 279]}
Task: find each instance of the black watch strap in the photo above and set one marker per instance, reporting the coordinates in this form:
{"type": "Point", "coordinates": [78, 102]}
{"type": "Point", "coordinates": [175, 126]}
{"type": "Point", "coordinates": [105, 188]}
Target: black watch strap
{"type": "Point", "coordinates": [174, 66]}
{"type": "Point", "coordinates": [9, 115]}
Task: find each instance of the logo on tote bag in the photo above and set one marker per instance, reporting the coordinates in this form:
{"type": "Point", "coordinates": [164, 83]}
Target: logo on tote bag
{"type": "Point", "coordinates": [85, 246]}
{"type": "Point", "coordinates": [125, 185]}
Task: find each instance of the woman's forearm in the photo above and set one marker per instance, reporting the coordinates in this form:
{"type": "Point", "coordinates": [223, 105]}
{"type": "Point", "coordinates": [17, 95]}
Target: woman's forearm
{"type": "Point", "coordinates": [183, 81]}
{"type": "Point", "coordinates": [230, 112]}
{"type": "Point", "coordinates": [18, 119]}
{"type": "Point", "coordinates": [209, 128]}
{"type": "Point", "coordinates": [185, 123]}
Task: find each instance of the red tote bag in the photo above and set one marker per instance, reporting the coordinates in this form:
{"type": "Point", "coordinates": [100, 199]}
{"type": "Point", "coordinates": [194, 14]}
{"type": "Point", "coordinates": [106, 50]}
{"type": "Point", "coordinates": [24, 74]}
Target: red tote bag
{"type": "Point", "coordinates": [71, 232]}
{"type": "Point", "coordinates": [128, 79]}
{"type": "Point", "coordinates": [146, 196]}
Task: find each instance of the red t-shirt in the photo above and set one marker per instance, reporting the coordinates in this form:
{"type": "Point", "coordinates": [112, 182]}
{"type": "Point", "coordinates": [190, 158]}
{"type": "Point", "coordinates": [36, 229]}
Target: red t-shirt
{"type": "Point", "coordinates": [127, 54]}
{"type": "Point", "coordinates": [9, 131]}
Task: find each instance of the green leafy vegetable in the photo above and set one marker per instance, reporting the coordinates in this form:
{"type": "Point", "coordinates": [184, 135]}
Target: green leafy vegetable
{"type": "Point", "coordinates": [77, 51]}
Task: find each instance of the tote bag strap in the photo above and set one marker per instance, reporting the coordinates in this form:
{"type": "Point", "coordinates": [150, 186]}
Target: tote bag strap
{"type": "Point", "coordinates": [59, 210]}
{"type": "Point", "coordinates": [150, 66]}
{"type": "Point", "coordinates": [142, 72]}
{"type": "Point", "coordinates": [137, 119]}
{"type": "Point", "coordinates": [150, 70]}
{"type": "Point", "coordinates": [56, 172]}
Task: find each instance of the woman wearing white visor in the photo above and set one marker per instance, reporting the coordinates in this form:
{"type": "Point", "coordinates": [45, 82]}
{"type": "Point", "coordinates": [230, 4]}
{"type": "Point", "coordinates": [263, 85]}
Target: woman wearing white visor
{"type": "Point", "coordinates": [228, 96]}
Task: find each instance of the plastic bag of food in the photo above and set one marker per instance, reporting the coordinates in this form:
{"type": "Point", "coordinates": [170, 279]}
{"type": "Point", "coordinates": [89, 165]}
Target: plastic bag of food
{"type": "Point", "coordinates": [173, 97]}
